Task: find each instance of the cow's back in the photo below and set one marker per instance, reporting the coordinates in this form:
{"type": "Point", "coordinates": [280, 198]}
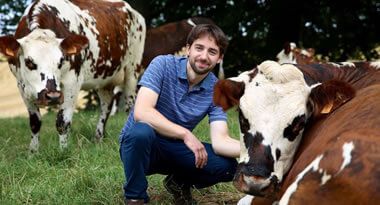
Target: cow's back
{"type": "Point", "coordinates": [358, 74]}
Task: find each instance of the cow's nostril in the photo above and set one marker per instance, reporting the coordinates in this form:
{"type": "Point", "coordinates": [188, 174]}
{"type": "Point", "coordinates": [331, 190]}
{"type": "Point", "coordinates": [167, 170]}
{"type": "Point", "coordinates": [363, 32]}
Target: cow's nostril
{"type": "Point", "coordinates": [54, 97]}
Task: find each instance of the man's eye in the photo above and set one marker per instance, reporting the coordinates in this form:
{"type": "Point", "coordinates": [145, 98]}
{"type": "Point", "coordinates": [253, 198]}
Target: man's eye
{"type": "Point", "coordinates": [213, 53]}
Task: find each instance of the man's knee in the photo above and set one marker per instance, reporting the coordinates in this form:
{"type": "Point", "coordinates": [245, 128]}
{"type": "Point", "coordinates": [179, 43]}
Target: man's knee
{"type": "Point", "coordinates": [139, 133]}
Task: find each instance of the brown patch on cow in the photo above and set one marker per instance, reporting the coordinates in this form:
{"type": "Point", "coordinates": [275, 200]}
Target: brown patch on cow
{"type": "Point", "coordinates": [110, 39]}
{"type": "Point", "coordinates": [358, 183]}
{"type": "Point", "coordinates": [139, 70]}
{"type": "Point", "coordinates": [358, 76]}
{"type": "Point", "coordinates": [227, 93]}
{"type": "Point", "coordinates": [22, 29]}
{"type": "Point", "coordinates": [349, 186]}
{"type": "Point", "coordinates": [330, 95]}
{"type": "Point", "coordinates": [47, 19]}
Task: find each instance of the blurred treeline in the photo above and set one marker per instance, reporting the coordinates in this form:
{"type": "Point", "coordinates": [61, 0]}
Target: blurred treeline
{"type": "Point", "coordinates": [338, 30]}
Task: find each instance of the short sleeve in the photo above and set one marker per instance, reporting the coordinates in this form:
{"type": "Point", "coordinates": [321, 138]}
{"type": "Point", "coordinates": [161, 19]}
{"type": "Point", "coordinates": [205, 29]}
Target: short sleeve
{"type": "Point", "coordinates": [154, 74]}
{"type": "Point", "coordinates": [216, 113]}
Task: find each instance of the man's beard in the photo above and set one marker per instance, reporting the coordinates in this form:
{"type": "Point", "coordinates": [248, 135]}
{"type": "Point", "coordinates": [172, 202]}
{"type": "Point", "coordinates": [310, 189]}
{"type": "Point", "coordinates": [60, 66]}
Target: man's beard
{"type": "Point", "coordinates": [200, 71]}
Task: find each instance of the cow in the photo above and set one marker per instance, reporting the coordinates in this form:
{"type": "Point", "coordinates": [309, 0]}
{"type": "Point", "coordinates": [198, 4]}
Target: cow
{"type": "Point", "coordinates": [292, 54]}
{"type": "Point", "coordinates": [333, 106]}
{"type": "Point", "coordinates": [60, 47]}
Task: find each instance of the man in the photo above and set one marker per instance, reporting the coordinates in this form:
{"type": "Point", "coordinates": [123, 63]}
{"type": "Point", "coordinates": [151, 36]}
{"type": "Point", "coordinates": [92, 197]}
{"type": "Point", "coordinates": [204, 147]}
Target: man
{"type": "Point", "coordinates": [175, 95]}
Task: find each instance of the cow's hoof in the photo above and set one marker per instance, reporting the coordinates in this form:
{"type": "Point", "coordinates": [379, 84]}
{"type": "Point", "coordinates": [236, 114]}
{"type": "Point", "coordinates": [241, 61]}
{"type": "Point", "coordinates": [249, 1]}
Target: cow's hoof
{"type": "Point", "coordinates": [98, 139]}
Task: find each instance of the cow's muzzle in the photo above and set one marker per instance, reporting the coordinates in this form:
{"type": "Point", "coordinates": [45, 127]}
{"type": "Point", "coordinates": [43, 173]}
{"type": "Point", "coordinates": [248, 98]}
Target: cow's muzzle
{"type": "Point", "coordinates": [255, 184]}
{"type": "Point", "coordinates": [47, 98]}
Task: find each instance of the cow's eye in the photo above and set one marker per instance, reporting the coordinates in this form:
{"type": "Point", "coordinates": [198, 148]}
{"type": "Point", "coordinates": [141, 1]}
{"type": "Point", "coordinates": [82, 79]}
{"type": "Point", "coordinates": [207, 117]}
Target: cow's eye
{"type": "Point", "coordinates": [30, 64]}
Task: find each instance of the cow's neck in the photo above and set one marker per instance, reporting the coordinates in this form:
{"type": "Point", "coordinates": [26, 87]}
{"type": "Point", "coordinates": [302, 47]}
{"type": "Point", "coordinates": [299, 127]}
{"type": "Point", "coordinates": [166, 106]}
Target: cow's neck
{"type": "Point", "coordinates": [358, 76]}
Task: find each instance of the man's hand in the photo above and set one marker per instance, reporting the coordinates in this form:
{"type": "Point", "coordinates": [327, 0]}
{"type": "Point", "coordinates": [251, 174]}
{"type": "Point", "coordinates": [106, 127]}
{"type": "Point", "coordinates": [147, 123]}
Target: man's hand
{"type": "Point", "coordinates": [197, 148]}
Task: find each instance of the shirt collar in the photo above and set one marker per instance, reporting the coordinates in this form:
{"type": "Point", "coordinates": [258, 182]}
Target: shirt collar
{"type": "Point", "coordinates": [182, 74]}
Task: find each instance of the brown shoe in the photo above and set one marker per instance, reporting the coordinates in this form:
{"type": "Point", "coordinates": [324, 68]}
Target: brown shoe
{"type": "Point", "coordinates": [181, 194]}
{"type": "Point", "coordinates": [133, 201]}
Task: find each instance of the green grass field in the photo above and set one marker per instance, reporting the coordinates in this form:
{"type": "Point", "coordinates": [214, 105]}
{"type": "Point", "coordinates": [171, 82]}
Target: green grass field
{"type": "Point", "coordinates": [85, 173]}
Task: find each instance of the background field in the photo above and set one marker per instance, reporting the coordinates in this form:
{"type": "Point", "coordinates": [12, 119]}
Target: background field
{"type": "Point", "coordinates": [86, 173]}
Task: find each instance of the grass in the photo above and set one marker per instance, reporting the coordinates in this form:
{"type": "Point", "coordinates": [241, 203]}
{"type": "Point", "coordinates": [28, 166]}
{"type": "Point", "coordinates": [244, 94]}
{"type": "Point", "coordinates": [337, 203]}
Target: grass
{"type": "Point", "coordinates": [85, 173]}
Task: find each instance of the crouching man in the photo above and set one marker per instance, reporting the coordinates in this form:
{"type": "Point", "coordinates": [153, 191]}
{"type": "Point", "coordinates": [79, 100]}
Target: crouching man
{"type": "Point", "coordinates": [175, 95]}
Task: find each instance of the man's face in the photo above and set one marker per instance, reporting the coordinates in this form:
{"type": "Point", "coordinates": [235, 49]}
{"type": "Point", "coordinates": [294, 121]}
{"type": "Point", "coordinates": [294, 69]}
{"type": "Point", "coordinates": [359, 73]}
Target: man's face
{"type": "Point", "coordinates": [204, 54]}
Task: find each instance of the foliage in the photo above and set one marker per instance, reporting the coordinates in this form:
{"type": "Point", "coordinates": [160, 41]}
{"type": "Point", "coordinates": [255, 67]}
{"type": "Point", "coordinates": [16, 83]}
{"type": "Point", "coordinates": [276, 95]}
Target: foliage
{"type": "Point", "coordinates": [10, 13]}
{"type": "Point", "coordinates": [338, 30]}
{"type": "Point", "coordinates": [85, 173]}
{"type": "Point", "coordinates": [257, 29]}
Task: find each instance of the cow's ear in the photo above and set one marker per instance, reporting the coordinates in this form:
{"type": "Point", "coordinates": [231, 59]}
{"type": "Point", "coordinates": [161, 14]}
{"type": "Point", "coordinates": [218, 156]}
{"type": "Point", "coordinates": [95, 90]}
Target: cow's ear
{"type": "Point", "coordinates": [287, 48]}
{"type": "Point", "coordinates": [330, 95]}
{"type": "Point", "coordinates": [9, 46]}
{"type": "Point", "coordinates": [227, 93]}
{"type": "Point", "coordinates": [74, 44]}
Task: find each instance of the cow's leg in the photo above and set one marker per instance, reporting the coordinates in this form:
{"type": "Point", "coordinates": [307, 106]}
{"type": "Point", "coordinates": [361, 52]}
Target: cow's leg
{"type": "Point", "coordinates": [118, 104]}
{"type": "Point", "coordinates": [35, 126]}
{"type": "Point", "coordinates": [65, 113]}
{"type": "Point", "coordinates": [63, 125]}
{"type": "Point", "coordinates": [130, 89]}
{"type": "Point", "coordinates": [106, 101]}
{"type": "Point", "coordinates": [134, 68]}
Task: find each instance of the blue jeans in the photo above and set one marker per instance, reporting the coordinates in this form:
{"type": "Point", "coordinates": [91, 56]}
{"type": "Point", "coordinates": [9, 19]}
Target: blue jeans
{"type": "Point", "coordinates": [144, 152]}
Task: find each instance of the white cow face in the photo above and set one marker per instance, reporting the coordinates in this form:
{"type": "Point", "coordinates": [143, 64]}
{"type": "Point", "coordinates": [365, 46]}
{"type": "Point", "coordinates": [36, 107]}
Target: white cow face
{"type": "Point", "coordinates": [274, 104]}
{"type": "Point", "coordinates": [272, 116]}
{"type": "Point", "coordinates": [38, 61]}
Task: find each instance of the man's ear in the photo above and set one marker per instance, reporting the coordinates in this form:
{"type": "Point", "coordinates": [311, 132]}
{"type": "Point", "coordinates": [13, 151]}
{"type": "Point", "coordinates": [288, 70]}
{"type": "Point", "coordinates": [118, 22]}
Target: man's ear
{"type": "Point", "coordinates": [187, 49]}
{"type": "Point", "coordinates": [227, 93]}
{"type": "Point", "coordinates": [220, 58]}
{"type": "Point", "coordinates": [329, 96]}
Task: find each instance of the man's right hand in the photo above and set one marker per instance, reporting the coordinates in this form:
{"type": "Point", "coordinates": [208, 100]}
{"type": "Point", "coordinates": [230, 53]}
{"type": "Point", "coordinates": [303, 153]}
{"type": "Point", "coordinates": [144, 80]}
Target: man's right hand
{"type": "Point", "coordinates": [197, 148]}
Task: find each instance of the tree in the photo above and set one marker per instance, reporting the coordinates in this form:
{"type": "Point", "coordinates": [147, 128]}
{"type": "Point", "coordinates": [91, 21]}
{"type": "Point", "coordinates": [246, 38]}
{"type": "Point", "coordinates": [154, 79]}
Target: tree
{"type": "Point", "coordinates": [257, 29]}
{"type": "Point", "coordinates": [10, 13]}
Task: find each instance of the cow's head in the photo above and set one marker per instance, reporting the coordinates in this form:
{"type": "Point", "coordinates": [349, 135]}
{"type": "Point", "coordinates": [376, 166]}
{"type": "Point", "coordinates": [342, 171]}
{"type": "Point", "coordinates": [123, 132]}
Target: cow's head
{"type": "Point", "coordinates": [291, 54]}
{"type": "Point", "coordinates": [38, 61]}
{"type": "Point", "coordinates": [274, 103]}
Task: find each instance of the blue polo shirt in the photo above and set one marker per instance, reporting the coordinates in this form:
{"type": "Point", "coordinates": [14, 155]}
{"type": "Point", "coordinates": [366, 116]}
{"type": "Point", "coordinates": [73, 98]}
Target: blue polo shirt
{"type": "Point", "coordinates": [166, 75]}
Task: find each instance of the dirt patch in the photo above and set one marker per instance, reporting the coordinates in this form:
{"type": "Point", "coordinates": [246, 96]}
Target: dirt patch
{"type": "Point", "coordinates": [11, 103]}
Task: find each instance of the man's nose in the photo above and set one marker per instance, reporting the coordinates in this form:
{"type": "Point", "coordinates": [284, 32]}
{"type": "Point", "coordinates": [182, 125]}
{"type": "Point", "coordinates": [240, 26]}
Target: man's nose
{"type": "Point", "coordinates": [203, 55]}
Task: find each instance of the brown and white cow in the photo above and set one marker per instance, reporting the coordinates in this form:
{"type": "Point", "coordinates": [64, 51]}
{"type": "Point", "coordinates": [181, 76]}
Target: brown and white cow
{"type": "Point", "coordinates": [292, 54]}
{"type": "Point", "coordinates": [338, 160]}
{"type": "Point", "coordinates": [60, 47]}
